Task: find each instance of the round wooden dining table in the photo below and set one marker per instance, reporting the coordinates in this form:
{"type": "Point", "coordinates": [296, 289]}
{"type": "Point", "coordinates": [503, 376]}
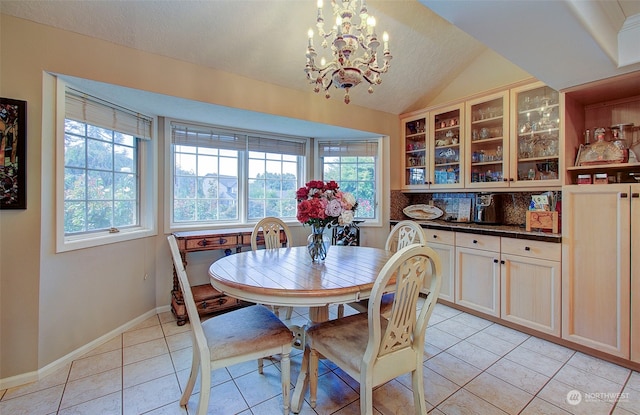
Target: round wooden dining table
{"type": "Point", "coordinates": [287, 277]}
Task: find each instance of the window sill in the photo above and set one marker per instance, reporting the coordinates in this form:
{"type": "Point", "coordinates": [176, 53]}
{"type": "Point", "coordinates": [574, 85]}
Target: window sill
{"type": "Point", "coordinates": [102, 238]}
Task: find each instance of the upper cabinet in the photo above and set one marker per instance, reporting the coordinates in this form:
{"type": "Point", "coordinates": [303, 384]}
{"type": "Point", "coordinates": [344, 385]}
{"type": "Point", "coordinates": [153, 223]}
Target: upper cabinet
{"type": "Point", "coordinates": [415, 151]}
{"type": "Point", "coordinates": [433, 149]}
{"type": "Point", "coordinates": [488, 141]}
{"type": "Point", "coordinates": [508, 138]}
{"type": "Point", "coordinates": [447, 133]}
{"type": "Point", "coordinates": [536, 137]}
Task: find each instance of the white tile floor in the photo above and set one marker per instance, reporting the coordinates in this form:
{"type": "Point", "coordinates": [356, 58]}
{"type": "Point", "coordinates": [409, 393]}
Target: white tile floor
{"type": "Point", "coordinates": [471, 366]}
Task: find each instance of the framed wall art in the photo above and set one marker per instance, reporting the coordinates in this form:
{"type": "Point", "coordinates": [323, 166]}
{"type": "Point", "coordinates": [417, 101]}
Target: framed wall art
{"type": "Point", "coordinates": [13, 163]}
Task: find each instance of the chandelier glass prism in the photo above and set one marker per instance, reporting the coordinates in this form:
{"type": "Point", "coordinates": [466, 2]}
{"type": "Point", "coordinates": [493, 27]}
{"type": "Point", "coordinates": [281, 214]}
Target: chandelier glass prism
{"type": "Point", "coordinates": [354, 50]}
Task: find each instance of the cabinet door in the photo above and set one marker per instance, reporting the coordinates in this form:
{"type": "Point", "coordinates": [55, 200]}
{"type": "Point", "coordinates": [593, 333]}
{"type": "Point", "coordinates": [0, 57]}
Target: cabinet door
{"type": "Point", "coordinates": [531, 292]}
{"type": "Point", "coordinates": [487, 141]}
{"type": "Point", "coordinates": [635, 273]}
{"type": "Point", "coordinates": [415, 168]}
{"type": "Point", "coordinates": [477, 283]}
{"type": "Point", "coordinates": [596, 267]}
{"type": "Point", "coordinates": [447, 259]}
{"type": "Point", "coordinates": [536, 135]}
{"type": "Point", "coordinates": [446, 158]}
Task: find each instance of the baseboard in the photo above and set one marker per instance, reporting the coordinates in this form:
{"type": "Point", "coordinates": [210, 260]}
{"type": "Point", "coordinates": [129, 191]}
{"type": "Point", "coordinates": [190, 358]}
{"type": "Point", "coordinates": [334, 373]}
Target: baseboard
{"type": "Point", "coordinates": [29, 377]}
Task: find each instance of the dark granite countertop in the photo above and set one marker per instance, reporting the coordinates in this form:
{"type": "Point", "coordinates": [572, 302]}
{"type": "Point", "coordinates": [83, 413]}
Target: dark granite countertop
{"type": "Point", "coordinates": [509, 231]}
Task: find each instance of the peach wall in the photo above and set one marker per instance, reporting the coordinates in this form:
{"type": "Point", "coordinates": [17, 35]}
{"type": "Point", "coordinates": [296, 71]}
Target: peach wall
{"type": "Point", "coordinates": [52, 304]}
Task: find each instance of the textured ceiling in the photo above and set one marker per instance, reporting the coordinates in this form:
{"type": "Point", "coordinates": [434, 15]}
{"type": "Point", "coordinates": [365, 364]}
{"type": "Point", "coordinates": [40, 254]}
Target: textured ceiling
{"type": "Point", "coordinates": [266, 40]}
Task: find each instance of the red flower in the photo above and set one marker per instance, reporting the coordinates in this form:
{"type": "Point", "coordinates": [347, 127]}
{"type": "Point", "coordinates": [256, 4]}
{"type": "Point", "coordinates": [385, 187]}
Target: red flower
{"type": "Point", "coordinates": [332, 185]}
{"type": "Point", "coordinates": [302, 193]}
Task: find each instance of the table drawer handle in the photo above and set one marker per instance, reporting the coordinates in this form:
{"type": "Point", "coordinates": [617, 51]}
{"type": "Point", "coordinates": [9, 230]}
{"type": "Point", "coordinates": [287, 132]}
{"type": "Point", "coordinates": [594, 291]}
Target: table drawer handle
{"type": "Point", "coordinates": [205, 242]}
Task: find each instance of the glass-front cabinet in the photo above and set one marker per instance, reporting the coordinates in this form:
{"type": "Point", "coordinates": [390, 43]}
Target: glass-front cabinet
{"type": "Point", "coordinates": [510, 138]}
{"type": "Point", "coordinates": [447, 134]}
{"type": "Point", "coordinates": [536, 136]}
{"type": "Point", "coordinates": [487, 135]}
{"type": "Point", "coordinates": [416, 171]}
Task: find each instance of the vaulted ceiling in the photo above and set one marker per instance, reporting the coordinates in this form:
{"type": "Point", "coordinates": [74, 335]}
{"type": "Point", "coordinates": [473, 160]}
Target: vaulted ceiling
{"type": "Point", "coordinates": [265, 40]}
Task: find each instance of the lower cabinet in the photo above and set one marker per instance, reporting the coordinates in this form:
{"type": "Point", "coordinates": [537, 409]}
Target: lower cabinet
{"type": "Point", "coordinates": [443, 242]}
{"type": "Point", "coordinates": [477, 283]}
{"type": "Point", "coordinates": [530, 284]}
{"type": "Point", "coordinates": [599, 259]}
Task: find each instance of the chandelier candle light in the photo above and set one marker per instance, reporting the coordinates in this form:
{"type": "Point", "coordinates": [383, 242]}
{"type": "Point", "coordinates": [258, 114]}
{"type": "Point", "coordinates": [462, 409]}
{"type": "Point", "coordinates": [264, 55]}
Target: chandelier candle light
{"type": "Point", "coordinates": [322, 205]}
{"type": "Point", "coordinates": [347, 69]}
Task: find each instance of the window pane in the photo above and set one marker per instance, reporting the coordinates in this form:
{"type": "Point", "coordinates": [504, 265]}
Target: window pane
{"type": "Point", "coordinates": [207, 178]}
{"type": "Point", "coordinates": [268, 179]}
{"type": "Point", "coordinates": [355, 174]}
{"type": "Point", "coordinates": [74, 217]}
{"type": "Point", "coordinates": [124, 159]}
{"type": "Point", "coordinates": [99, 155]}
{"type": "Point", "coordinates": [99, 215]}
{"type": "Point", "coordinates": [125, 186]}
{"type": "Point", "coordinates": [75, 151]}
{"type": "Point", "coordinates": [124, 213]}
{"type": "Point", "coordinates": [74, 184]}
{"type": "Point", "coordinates": [99, 185]}
{"type": "Point", "coordinates": [273, 182]}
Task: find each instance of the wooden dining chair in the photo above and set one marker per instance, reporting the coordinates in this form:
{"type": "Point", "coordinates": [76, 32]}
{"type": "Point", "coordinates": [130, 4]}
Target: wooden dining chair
{"type": "Point", "coordinates": [271, 228]}
{"type": "Point", "coordinates": [404, 233]}
{"type": "Point", "coordinates": [372, 349]}
{"type": "Point", "coordinates": [237, 336]}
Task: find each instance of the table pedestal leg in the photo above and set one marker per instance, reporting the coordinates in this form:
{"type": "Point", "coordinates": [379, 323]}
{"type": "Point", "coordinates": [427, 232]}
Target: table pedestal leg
{"type": "Point", "coordinates": [318, 314]}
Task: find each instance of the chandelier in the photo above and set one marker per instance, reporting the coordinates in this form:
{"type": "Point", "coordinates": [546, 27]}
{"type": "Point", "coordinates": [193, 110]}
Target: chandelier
{"type": "Point", "coordinates": [348, 37]}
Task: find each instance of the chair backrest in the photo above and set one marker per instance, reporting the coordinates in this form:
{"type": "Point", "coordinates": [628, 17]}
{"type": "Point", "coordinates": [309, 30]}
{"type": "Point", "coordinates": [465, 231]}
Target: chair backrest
{"type": "Point", "coordinates": [199, 339]}
{"type": "Point", "coordinates": [405, 233]}
{"type": "Point", "coordinates": [271, 228]}
{"type": "Point", "coordinates": [397, 346]}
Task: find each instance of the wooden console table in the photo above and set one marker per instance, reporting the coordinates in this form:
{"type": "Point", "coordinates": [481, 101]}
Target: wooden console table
{"type": "Point", "coordinates": [208, 299]}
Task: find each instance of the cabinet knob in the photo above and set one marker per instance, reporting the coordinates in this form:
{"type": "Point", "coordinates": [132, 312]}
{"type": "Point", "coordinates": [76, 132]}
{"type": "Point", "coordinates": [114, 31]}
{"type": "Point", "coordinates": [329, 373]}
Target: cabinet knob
{"type": "Point", "coordinates": [435, 236]}
{"type": "Point", "coordinates": [510, 179]}
{"type": "Point", "coordinates": [526, 248]}
{"type": "Point", "coordinates": [635, 195]}
{"type": "Point", "coordinates": [475, 241]}
{"type": "Point", "coordinates": [495, 261]}
{"type": "Point", "coordinates": [505, 179]}
{"type": "Point", "coordinates": [623, 195]}
{"type": "Point", "coordinates": [502, 262]}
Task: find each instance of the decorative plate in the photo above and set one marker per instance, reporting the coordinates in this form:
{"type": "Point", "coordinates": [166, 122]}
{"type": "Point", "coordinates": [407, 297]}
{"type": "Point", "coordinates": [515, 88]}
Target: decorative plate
{"type": "Point", "coordinates": [423, 212]}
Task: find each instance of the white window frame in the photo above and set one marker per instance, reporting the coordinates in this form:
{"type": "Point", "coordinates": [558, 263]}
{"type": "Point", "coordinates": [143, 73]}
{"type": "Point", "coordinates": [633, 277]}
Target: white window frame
{"type": "Point", "coordinates": [147, 156]}
{"type": "Point", "coordinates": [243, 196]}
{"type": "Point", "coordinates": [379, 168]}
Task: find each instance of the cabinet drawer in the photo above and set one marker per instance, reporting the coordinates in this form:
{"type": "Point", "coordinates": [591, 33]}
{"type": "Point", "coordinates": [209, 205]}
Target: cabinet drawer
{"type": "Point", "coordinates": [218, 242]}
{"type": "Point", "coordinates": [535, 249]}
{"type": "Point", "coordinates": [441, 237]}
{"type": "Point", "coordinates": [474, 241]}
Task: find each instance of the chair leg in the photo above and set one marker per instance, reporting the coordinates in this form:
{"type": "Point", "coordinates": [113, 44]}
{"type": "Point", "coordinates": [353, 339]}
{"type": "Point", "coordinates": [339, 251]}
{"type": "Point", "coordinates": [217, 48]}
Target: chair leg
{"type": "Point", "coordinates": [205, 388]}
{"type": "Point", "coordinates": [285, 374]}
{"type": "Point", "coordinates": [301, 383]}
{"type": "Point", "coordinates": [417, 383]}
{"type": "Point", "coordinates": [188, 389]}
{"type": "Point", "coordinates": [313, 376]}
{"type": "Point", "coordinates": [261, 366]}
{"type": "Point", "coordinates": [289, 312]}
{"type": "Point", "coordinates": [366, 398]}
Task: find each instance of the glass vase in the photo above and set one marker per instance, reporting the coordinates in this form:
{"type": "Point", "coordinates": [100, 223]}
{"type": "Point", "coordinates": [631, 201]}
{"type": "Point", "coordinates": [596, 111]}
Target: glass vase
{"type": "Point", "coordinates": [318, 243]}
